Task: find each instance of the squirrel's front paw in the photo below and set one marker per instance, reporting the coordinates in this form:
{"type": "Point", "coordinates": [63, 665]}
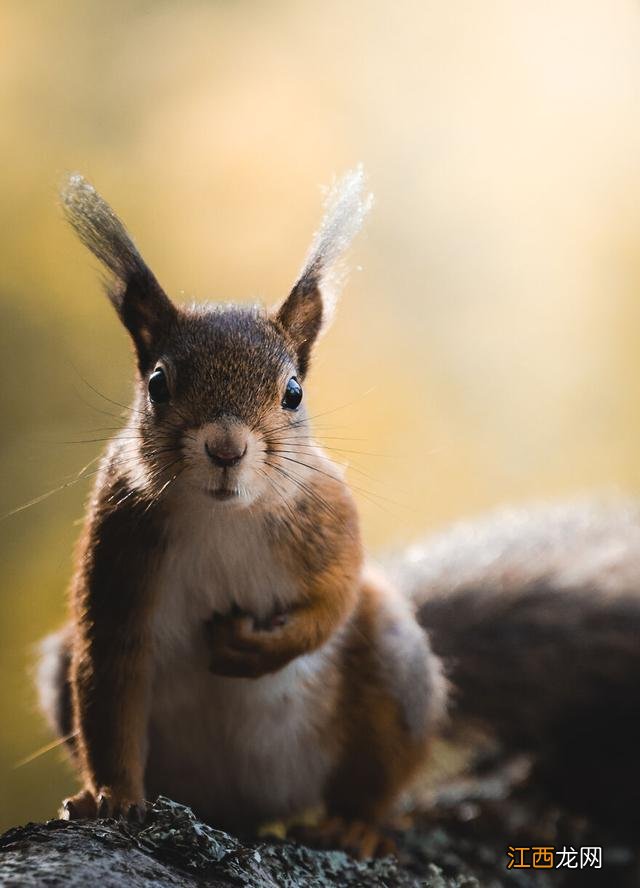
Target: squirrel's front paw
{"type": "Point", "coordinates": [240, 645]}
{"type": "Point", "coordinates": [232, 664]}
{"type": "Point", "coordinates": [230, 631]}
{"type": "Point", "coordinates": [113, 802]}
{"type": "Point", "coordinates": [109, 802]}
{"type": "Point", "coordinates": [81, 806]}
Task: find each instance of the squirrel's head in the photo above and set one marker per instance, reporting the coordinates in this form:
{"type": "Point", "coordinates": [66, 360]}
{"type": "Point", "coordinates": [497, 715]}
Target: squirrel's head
{"type": "Point", "coordinates": [219, 403]}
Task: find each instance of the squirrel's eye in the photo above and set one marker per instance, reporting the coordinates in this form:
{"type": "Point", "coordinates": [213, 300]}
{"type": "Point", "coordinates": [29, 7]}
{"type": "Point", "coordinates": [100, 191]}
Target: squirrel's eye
{"type": "Point", "coordinates": [158, 388]}
{"type": "Point", "coordinates": [292, 395]}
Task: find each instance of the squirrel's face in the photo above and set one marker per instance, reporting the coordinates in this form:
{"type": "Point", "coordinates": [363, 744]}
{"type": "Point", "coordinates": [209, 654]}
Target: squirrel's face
{"type": "Point", "coordinates": [221, 411]}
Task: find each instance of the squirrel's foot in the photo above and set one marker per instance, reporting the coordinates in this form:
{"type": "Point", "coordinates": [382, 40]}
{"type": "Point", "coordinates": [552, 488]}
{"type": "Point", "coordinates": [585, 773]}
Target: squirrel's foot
{"type": "Point", "coordinates": [114, 803]}
{"type": "Point", "coordinates": [356, 837]}
{"type": "Point", "coordinates": [81, 806]}
{"type": "Point", "coordinates": [108, 803]}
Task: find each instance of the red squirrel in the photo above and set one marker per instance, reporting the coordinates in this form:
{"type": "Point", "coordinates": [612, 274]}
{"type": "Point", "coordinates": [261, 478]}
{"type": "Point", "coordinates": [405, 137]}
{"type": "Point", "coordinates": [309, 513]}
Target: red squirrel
{"type": "Point", "coordinates": [228, 645]}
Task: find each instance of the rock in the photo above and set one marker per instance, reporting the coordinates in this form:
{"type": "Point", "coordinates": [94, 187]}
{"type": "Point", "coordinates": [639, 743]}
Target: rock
{"type": "Point", "coordinates": [457, 845]}
{"type": "Point", "coordinates": [173, 849]}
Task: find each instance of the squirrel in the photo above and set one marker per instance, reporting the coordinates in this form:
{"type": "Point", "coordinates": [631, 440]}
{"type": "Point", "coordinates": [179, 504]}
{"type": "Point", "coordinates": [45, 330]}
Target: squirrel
{"type": "Point", "coordinates": [228, 644]}
{"type": "Point", "coordinates": [231, 646]}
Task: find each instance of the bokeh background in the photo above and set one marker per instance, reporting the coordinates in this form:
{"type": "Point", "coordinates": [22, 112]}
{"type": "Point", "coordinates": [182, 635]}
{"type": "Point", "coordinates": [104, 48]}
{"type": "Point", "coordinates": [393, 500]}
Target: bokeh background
{"type": "Point", "coordinates": [487, 348]}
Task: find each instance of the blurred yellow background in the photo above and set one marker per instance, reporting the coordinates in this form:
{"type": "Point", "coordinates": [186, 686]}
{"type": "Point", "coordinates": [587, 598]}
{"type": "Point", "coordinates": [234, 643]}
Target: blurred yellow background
{"type": "Point", "coordinates": [487, 348]}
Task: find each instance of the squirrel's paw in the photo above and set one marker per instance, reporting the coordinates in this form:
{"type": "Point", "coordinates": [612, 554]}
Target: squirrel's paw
{"type": "Point", "coordinates": [115, 803]}
{"type": "Point", "coordinates": [230, 632]}
{"type": "Point", "coordinates": [81, 806]}
{"type": "Point", "coordinates": [240, 646]}
{"type": "Point", "coordinates": [356, 837]}
{"type": "Point", "coordinates": [108, 803]}
{"type": "Point", "coordinates": [237, 664]}
{"type": "Point", "coordinates": [234, 663]}
{"type": "Point", "coordinates": [241, 630]}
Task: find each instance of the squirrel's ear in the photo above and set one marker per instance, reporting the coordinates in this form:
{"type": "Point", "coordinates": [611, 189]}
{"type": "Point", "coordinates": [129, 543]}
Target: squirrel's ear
{"type": "Point", "coordinates": [309, 307]}
{"type": "Point", "coordinates": [143, 306]}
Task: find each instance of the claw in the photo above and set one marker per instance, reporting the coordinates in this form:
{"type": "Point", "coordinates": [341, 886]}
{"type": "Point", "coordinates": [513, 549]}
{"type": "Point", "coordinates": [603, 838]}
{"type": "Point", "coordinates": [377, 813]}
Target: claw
{"type": "Point", "coordinates": [104, 805]}
{"type": "Point", "coordinates": [68, 810]}
{"type": "Point", "coordinates": [137, 813]}
{"type": "Point", "coordinates": [357, 838]}
{"type": "Point", "coordinates": [109, 803]}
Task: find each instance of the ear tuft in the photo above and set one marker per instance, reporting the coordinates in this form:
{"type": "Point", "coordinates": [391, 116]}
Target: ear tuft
{"type": "Point", "coordinates": [345, 208]}
{"type": "Point", "coordinates": [100, 230]}
{"type": "Point", "coordinates": [142, 304]}
{"type": "Point", "coordinates": [309, 307]}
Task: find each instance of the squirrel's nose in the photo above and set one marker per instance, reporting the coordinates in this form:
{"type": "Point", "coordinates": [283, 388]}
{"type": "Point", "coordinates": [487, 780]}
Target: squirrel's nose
{"type": "Point", "coordinates": [225, 455]}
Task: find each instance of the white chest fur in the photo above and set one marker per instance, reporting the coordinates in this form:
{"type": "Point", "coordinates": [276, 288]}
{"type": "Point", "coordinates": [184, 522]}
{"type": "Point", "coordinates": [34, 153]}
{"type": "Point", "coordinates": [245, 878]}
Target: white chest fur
{"type": "Point", "coordinates": [235, 749]}
{"type": "Point", "coordinates": [215, 559]}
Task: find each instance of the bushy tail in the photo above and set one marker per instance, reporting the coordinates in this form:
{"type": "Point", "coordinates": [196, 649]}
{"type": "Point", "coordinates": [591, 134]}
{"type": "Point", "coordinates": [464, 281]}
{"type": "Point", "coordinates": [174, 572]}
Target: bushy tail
{"type": "Point", "coordinates": [536, 616]}
{"type": "Point", "coordinates": [52, 680]}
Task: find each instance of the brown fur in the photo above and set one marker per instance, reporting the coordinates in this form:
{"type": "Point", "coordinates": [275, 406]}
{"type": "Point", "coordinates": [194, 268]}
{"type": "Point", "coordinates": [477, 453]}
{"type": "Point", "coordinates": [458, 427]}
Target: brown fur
{"type": "Point", "coordinates": [111, 601]}
{"type": "Point", "coordinates": [384, 660]}
{"type": "Point", "coordinates": [300, 317]}
{"type": "Point", "coordinates": [224, 372]}
{"type": "Point", "coordinates": [327, 559]}
{"type": "Point", "coordinates": [540, 642]}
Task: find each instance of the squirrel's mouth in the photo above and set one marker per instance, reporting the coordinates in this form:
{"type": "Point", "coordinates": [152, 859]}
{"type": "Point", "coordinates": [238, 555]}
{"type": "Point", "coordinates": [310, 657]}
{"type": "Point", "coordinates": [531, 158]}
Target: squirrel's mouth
{"type": "Point", "coordinates": [223, 493]}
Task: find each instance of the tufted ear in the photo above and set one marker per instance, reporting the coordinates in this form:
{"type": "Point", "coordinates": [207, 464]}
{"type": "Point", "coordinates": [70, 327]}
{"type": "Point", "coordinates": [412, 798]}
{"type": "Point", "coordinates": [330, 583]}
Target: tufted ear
{"type": "Point", "coordinates": [143, 306]}
{"type": "Point", "coordinates": [309, 307]}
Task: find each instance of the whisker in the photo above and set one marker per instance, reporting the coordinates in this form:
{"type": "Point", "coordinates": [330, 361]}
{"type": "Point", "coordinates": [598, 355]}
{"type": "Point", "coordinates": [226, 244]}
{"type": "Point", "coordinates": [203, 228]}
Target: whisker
{"type": "Point", "coordinates": [101, 395]}
{"type": "Point", "coordinates": [361, 490]}
{"type": "Point", "coordinates": [320, 501]}
{"type": "Point", "coordinates": [96, 409]}
{"type": "Point", "coordinates": [341, 450]}
{"type": "Point", "coordinates": [347, 465]}
{"type": "Point", "coordinates": [156, 498]}
{"type": "Point", "coordinates": [99, 440]}
{"type": "Point", "coordinates": [280, 493]}
{"type": "Point", "coordinates": [48, 747]}
{"type": "Point", "coordinates": [39, 499]}
{"type": "Point", "coordinates": [324, 413]}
